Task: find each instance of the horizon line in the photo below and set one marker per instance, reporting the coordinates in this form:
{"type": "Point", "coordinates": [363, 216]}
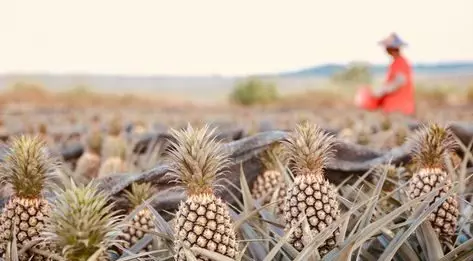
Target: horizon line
{"type": "Point", "coordinates": [229, 75]}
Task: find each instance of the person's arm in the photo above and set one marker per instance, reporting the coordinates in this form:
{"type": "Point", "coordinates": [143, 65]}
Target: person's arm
{"type": "Point", "coordinates": [399, 80]}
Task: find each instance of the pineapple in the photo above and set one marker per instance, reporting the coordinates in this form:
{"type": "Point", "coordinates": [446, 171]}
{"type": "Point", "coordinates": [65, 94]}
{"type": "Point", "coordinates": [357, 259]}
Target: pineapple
{"type": "Point", "coordinates": [115, 162]}
{"type": "Point", "coordinates": [113, 139]}
{"type": "Point", "coordinates": [88, 164]}
{"type": "Point", "coordinates": [27, 169]}
{"type": "Point", "coordinates": [43, 133]}
{"type": "Point", "coordinates": [347, 134]}
{"type": "Point", "coordinates": [141, 221]}
{"type": "Point", "coordinates": [203, 219]}
{"type": "Point", "coordinates": [267, 182]}
{"type": "Point", "coordinates": [311, 195]}
{"type": "Point", "coordinates": [82, 223]}
{"type": "Point", "coordinates": [95, 123]}
{"type": "Point", "coordinates": [139, 127]}
{"type": "Point", "coordinates": [386, 123]}
{"type": "Point", "coordinates": [43, 129]}
{"type": "Point", "coordinates": [431, 146]}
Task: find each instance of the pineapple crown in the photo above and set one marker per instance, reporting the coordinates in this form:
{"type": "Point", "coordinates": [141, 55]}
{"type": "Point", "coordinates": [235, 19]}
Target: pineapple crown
{"type": "Point", "coordinates": [119, 151]}
{"type": "Point", "coordinates": [115, 127]}
{"type": "Point", "coordinates": [197, 159]}
{"type": "Point", "coordinates": [116, 147]}
{"type": "Point", "coordinates": [139, 193]}
{"type": "Point", "coordinates": [431, 145]}
{"type": "Point", "coordinates": [82, 221]}
{"type": "Point", "coordinates": [94, 142]}
{"type": "Point", "coordinates": [309, 149]}
{"type": "Point", "coordinates": [401, 133]}
{"type": "Point", "coordinates": [43, 129]}
{"type": "Point", "coordinates": [139, 127]}
{"type": "Point", "coordinates": [271, 156]}
{"type": "Point", "coordinates": [28, 167]}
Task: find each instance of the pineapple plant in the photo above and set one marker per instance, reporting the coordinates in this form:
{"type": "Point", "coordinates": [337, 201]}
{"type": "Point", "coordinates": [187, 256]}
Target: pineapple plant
{"type": "Point", "coordinates": [43, 129]}
{"type": "Point", "coordinates": [347, 134]}
{"type": "Point", "coordinates": [271, 179]}
{"type": "Point", "coordinates": [113, 139]}
{"type": "Point", "coordinates": [88, 165]}
{"type": "Point", "coordinates": [431, 146]}
{"type": "Point", "coordinates": [43, 133]}
{"type": "Point", "coordinates": [203, 219]}
{"type": "Point", "coordinates": [82, 223]}
{"type": "Point", "coordinates": [115, 162]}
{"type": "Point", "coordinates": [28, 170]}
{"type": "Point", "coordinates": [141, 221]}
{"type": "Point", "coordinates": [308, 149]}
{"type": "Point", "coordinates": [139, 127]}
{"type": "Point", "coordinates": [95, 124]}
{"type": "Point", "coordinates": [3, 131]}
{"type": "Point", "coordinates": [386, 123]}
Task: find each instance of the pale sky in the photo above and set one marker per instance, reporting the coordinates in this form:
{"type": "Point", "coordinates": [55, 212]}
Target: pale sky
{"type": "Point", "coordinates": [223, 37]}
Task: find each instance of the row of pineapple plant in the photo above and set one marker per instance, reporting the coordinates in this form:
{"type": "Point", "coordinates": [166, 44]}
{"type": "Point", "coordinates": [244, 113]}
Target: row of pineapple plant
{"type": "Point", "coordinates": [309, 149]}
{"type": "Point", "coordinates": [104, 154]}
{"type": "Point", "coordinates": [28, 161]}
{"type": "Point", "coordinates": [78, 224]}
{"type": "Point", "coordinates": [203, 219]}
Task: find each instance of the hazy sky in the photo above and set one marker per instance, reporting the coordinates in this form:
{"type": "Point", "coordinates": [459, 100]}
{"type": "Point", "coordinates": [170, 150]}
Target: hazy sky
{"type": "Point", "coordinates": [223, 37]}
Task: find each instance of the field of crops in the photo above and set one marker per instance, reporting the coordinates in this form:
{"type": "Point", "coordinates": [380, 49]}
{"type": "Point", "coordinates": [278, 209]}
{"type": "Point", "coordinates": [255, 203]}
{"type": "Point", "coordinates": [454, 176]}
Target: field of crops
{"type": "Point", "coordinates": [326, 182]}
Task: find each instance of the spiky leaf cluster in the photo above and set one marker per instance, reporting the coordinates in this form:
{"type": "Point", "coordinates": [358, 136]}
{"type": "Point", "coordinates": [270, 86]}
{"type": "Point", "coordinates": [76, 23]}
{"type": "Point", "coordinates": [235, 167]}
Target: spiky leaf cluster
{"type": "Point", "coordinates": [27, 166]}
{"type": "Point", "coordinates": [431, 145]}
{"type": "Point", "coordinates": [115, 127]}
{"type": "Point", "coordinates": [309, 149]}
{"type": "Point", "coordinates": [94, 142]}
{"type": "Point", "coordinates": [113, 147]}
{"type": "Point", "coordinates": [271, 156]}
{"type": "Point", "coordinates": [138, 193]}
{"type": "Point", "coordinates": [197, 159]}
{"type": "Point", "coordinates": [82, 221]}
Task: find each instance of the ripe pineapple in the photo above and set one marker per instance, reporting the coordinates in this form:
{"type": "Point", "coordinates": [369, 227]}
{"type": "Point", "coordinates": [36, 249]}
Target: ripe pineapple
{"type": "Point", "coordinates": [88, 164]}
{"type": "Point", "coordinates": [82, 222]}
{"type": "Point", "coordinates": [113, 139]}
{"type": "Point", "coordinates": [203, 219]}
{"type": "Point", "coordinates": [27, 169]}
{"type": "Point", "coordinates": [267, 182]}
{"type": "Point", "coordinates": [115, 163]}
{"type": "Point", "coordinates": [95, 124]}
{"type": "Point", "coordinates": [308, 150]}
{"type": "Point", "coordinates": [431, 145]}
{"type": "Point", "coordinates": [143, 220]}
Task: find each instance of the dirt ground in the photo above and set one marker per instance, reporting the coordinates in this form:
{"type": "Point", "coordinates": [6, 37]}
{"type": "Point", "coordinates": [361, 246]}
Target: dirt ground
{"type": "Point", "coordinates": [28, 108]}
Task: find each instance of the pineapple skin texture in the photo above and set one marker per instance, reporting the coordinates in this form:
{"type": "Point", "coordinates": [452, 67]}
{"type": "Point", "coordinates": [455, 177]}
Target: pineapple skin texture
{"type": "Point", "coordinates": [204, 221]}
{"type": "Point", "coordinates": [26, 217]}
{"type": "Point", "coordinates": [443, 219]}
{"type": "Point", "coordinates": [266, 184]}
{"type": "Point", "coordinates": [136, 229]}
{"type": "Point", "coordinates": [314, 196]}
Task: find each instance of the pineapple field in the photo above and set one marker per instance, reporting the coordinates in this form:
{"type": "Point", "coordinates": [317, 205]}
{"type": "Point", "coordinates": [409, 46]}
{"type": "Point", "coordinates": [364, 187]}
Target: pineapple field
{"type": "Point", "coordinates": [230, 183]}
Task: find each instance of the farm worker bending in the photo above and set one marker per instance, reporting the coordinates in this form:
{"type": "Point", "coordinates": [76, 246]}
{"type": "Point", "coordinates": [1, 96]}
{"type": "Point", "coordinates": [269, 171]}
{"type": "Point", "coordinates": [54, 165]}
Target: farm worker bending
{"type": "Point", "coordinates": [397, 93]}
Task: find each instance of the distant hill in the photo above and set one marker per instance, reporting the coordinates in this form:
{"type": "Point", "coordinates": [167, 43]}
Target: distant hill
{"type": "Point", "coordinates": [211, 86]}
{"type": "Point", "coordinates": [327, 70]}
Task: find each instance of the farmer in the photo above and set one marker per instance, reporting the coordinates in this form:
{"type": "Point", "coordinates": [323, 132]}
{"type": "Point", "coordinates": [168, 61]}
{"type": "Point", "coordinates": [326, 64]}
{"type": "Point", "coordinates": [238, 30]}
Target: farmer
{"type": "Point", "coordinates": [397, 92]}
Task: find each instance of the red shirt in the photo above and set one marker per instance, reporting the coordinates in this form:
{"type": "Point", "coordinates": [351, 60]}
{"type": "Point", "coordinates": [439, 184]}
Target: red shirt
{"type": "Point", "coordinates": [401, 100]}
